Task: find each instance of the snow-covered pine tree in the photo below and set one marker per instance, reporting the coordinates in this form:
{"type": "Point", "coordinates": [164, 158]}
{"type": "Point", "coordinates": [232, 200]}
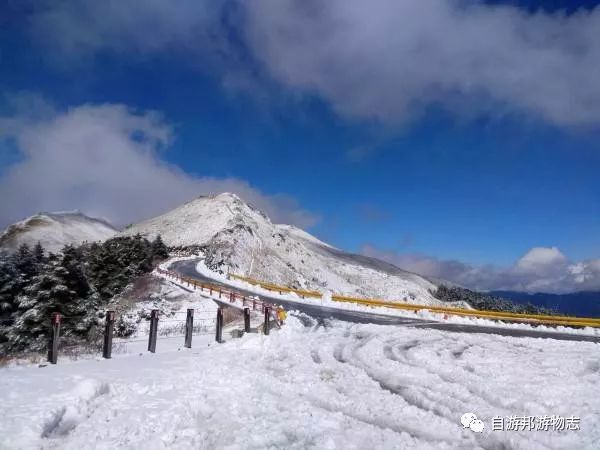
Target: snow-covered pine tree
{"type": "Point", "coordinates": [159, 249]}
{"type": "Point", "coordinates": [8, 287]}
{"type": "Point", "coordinates": [38, 253]}
{"type": "Point", "coordinates": [76, 281]}
{"type": "Point", "coordinates": [8, 294]}
{"type": "Point", "coordinates": [16, 274]}
{"type": "Point", "coordinates": [105, 268]}
{"type": "Point", "coordinates": [140, 256]}
{"type": "Point", "coordinates": [60, 286]}
{"type": "Point", "coordinates": [35, 304]}
{"type": "Point", "coordinates": [25, 265]}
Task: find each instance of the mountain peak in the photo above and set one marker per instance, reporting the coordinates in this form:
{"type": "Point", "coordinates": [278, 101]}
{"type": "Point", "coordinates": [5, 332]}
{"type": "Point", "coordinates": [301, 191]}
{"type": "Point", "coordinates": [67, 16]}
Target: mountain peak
{"type": "Point", "coordinates": [197, 222]}
{"type": "Point", "coordinates": [229, 196]}
{"type": "Point", "coordinates": [54, 230]}
{"type": "Point", "coordinates": [72, 212]}
{"type": "Point", "coordinates": [234, 236]}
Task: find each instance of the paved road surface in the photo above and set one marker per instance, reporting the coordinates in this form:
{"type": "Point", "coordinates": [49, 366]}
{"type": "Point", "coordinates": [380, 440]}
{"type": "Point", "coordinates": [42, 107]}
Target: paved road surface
{"type": "Point", "coordinates": [188, 269]}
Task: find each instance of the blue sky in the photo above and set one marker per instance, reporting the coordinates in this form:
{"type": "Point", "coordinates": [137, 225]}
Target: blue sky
{"type": "Point", "coordinates": [442, 164]}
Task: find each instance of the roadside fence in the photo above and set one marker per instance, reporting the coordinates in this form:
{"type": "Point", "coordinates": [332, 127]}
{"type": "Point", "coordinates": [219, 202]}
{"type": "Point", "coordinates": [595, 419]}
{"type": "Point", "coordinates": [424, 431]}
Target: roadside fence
{"type": "Point", "coordinates": [180, 325]}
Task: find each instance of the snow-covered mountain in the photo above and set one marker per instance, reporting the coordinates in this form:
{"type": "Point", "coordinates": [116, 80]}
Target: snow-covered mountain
{"type": "Point", "coordinates": [54, 230]}
{"type": "Point", "coordinates": [234, 236]}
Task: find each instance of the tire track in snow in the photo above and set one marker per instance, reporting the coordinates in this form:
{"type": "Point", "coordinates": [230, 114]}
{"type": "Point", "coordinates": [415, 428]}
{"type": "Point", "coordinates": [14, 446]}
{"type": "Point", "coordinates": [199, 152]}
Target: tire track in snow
{"type": "Point", "coordinates": [460, 377]}
{"type": "Point", "coordinates": [427, 399]}
{"type": "Point", "coordinates": [350, 353]}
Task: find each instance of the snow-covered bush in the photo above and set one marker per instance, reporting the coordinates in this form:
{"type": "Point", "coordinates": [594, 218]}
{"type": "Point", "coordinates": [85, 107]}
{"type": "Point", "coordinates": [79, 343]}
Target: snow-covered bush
{"type": "Point", "coordinates": [125, 326]}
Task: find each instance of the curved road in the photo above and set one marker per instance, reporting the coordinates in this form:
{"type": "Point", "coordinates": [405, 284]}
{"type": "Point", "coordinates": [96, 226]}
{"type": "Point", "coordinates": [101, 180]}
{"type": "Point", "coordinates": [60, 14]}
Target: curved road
{"type": "Point", "coordinates": [188, 269]}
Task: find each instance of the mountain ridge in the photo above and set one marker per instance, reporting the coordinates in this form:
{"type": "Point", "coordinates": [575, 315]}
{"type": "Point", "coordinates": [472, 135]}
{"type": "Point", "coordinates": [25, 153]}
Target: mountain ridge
{"type": "Point", "coordinates": [54, 230]}
{"type": "Point", "coordinates": [235, 236]}
{"type": "Point", "coordinates": [580, 303]}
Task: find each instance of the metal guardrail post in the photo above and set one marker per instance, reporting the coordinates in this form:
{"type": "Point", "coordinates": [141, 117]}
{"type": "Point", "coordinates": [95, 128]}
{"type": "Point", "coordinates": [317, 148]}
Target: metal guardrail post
{"type": "Point", "coordinates": [54, 337]}
{"type": "Point", "coordinates": [153, 331]}
{"type": "Point", "coordinates": [267, 326]}
{"type": "Point", "coordinates": [108, 334]}
{"type": "Point", "coordinates": [189, 328]}
{"type": "Point", "coordinates": [219, 335]}
{"type": "Point", "coordinates": [247, 320]}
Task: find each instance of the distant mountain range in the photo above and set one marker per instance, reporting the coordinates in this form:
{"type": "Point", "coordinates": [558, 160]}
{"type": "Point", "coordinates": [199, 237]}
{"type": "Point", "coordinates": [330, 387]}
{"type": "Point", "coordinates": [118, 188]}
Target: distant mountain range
{"type": "Point", "coordinates": [585, 304]}
{"type": "Point", "coordinates": [236, 237]}
{"type": "Point", "coordinates": [54, 230]}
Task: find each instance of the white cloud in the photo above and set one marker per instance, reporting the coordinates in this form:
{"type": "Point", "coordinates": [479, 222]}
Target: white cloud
{"type": "Point", "coordinates": [541, 269]}
{"type": "Point", "coordinates": [106, 161]}
{"type": "Point", "coordinates": [542, 261]}
{"type": "Point", "coordinates": [388, 60]}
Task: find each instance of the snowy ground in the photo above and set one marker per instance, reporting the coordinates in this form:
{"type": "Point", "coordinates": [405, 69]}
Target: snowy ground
{"type": "Point", "coordinates": [309, 386]}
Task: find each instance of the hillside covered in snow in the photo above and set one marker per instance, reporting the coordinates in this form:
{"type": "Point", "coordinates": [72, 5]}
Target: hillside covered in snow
{"type": "Point", "coordinates": [54, 230]}
{"type": "Point", "coordinates": [235, 237]}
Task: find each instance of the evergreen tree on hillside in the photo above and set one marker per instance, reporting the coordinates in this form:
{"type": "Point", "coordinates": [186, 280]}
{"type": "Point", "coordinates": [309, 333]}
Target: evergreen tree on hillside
{"type": "Point", "coordinates": [30, 328]}
{"type": "Point", "coordinates": [105, 270]}
{"type": "Point", "coordinates": [159, 249]}
{"type": "Point", "coordinates": [8, 287]}
{"type": "Point", "coordinates": [25, 264]}
{"type": "Point", "coordinates": [60, 286]}
{"type": "Point", "coordinates": [8, 293]}
{"type": "Point", "coordinates": [116, 262]}
{"type": "Point", "coordinates": [72, 261]}
{"type": "Point", "coordinates": [139, 253]}
{"type": "Point", "coordinates": [485, 302]}
{"type": "Point", "coordinates": [23, 268]}
{"type": "Point", "coordinates": [38, 253]}
{"type": "Point", "coordinates": [72, 269]}
{"type": "Point", "coordinates": [76, 283]}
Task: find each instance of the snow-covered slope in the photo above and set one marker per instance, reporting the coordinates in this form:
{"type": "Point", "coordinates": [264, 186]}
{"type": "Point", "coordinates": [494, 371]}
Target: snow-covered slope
{"type": "Point", "coordinates": [343, 386]}
{"type": "Point", "coordinates": [234, 236]}
{"type": "Point", "coordinates": [54, 230]}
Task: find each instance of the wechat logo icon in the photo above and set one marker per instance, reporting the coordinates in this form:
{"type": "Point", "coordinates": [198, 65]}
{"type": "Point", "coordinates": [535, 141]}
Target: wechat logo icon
{"type": "Point", "coordinates": [470, 420]}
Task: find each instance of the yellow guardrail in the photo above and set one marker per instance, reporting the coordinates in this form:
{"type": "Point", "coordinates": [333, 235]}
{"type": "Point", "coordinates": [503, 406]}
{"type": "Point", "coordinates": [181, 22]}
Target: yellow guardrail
{"type": "Point", "coordinates": [494, 315]}
{"type": "Point", "coordinates": [277, 288]}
